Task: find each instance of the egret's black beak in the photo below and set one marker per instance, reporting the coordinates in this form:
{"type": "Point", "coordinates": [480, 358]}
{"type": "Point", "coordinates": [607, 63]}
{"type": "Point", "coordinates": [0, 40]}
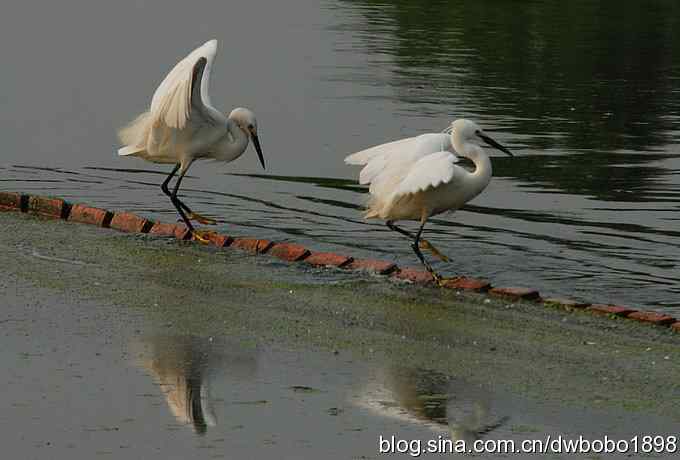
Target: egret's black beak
{"type": "Point", "coordinates": [495, 144]}
{"type": "Point", "coordinates": [258, 149]}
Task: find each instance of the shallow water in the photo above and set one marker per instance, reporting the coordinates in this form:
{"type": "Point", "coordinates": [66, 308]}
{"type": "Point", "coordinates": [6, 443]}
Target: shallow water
{"type": "Point", "coordinates": [241, 357]}
{"type": "Point", "coordinates": [583, 93]}
{"type": "Point", "coordinates": [92, 381]}
{"type": "Point", "coordinates": [217, 389]}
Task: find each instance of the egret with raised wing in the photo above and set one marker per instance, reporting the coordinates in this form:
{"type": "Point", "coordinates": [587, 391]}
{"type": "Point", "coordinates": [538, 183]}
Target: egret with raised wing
{"type": "Point", "coordinates": [417, 178]}
{"type": "Point", "coordinates": [182, 126]}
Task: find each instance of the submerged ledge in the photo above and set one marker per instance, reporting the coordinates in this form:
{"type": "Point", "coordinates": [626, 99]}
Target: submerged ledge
{"type": "Point", "coordinates": [57, 208]}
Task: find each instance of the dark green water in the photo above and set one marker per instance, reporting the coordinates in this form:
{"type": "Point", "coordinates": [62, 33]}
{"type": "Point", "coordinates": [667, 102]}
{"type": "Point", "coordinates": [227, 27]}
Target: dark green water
{"type": "Point", "coordinates": [583, 91]}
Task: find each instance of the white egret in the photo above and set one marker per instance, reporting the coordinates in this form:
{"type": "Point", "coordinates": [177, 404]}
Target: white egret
{"type": "Point", "coordinates": [417, 177]}
{"type": "Point", "coordinates": [182, 126]}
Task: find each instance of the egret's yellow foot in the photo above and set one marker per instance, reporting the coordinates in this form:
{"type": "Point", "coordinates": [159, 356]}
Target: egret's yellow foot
{"type": "Point", "coordinates": [437, 278]}
{"type": "Point", "coordinates": [443, 281]}
{"type": "Point", "coordinates": [202, 219]}
{"type": "Point", "coordinates": [424, 244]}
{"type": "Point", "coordinates": [202, 236]}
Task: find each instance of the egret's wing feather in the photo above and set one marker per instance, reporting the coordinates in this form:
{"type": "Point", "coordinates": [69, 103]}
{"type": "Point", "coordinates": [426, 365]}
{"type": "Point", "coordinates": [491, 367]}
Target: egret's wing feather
{"type": "Point", "coordinates": [387, 166]}
{"type": "Point", "coordinates": [392, 161]}
{"type": "Point", "coordinates": [388, 157]}
{"type": "Point", "coordinates": [179, 92]}
{"type": "Point", "coordinates": [196, 78]}
{"type": "Point", "coordinates": [425, 143]}
{"type": "Point", "coordinates": [364, 156]}
{"type": "Point", "coordinates": [428, 172]}
{"type": "Point", "coordinates": [210, 49]}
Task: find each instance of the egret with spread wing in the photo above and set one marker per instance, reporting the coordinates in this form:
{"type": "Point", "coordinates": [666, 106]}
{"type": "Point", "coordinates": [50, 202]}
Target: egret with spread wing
{"type": "Point", "coordinates": [417, 177]}
{"type": "Point", "coordinates": [182, 126]}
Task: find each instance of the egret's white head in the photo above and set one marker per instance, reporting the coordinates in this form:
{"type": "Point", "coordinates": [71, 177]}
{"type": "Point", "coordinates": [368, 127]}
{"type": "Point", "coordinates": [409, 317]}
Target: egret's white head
{"type": "Point", "coordinates": [465, 131]}
{"type": "Point", "coordinates": [246, 121]}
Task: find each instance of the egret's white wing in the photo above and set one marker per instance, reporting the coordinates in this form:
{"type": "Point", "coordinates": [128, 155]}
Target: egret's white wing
{"type": "Point", "coordinates": [425, 143]}
{"type": "Point", "coordinates": [394, 159]}
{"type": "Point", "coordinates": [387, 166]}
{"type": "Point", "coordinates": [428, 172]}
{"type": "Point", "coordinates": [390, 156]}
{"type": "Point", "coordinates": [364, 156]}
{"type": "Point", "coordinates": [180, 91]}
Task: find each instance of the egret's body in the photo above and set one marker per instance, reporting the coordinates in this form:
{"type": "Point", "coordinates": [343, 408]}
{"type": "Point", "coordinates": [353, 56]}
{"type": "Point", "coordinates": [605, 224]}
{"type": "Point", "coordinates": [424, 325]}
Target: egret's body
{"type": "Point", "coordinates": [417, 177]}
{"type": "Point", "coordinates": [182, 126]}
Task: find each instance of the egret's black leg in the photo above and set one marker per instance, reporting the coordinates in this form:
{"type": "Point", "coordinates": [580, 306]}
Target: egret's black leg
{"type": "Point", "coordinates": [164, 188]}
{"type": "Point", "coordinates": [164, 185]}
{"type": "Point", "coordinates": [191, 215]}
{"type": "Point", "coordinates": [416, 248]}
{"type": "Point", "coordinates": [173, 198]}
{"type": "Point", "coordinates": [422, 242]}
{"type": "Point", "coordinates": [391, 226]}
{"type": "Point", "coordinates": [199, 235]}
{"type": "Point", "coordinates": [173, 195]}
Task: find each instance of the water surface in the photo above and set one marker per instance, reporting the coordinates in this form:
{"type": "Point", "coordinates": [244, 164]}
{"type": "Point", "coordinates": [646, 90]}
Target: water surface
{"type": "Point", "coordinates": [585, 93]}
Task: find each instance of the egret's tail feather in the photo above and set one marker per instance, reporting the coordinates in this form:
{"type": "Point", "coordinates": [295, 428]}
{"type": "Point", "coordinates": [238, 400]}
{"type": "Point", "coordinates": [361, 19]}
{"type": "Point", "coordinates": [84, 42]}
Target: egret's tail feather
{"type": "Point", "coordinates": [130, 150]}
{"type": "Point", "coordinates": [136, 132]}
{"type": "Point", "coordinates": [373, 208]}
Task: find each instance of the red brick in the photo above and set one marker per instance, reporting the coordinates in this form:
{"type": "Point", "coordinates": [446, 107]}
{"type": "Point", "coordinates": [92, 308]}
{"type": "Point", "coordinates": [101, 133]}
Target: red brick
{"type": "Point", "coordinates": [179, 231]}
{"type": "Point", "coordinates": [380, 267]}
{"type": "Point", "coordinates": [676, 326]}
{"type": "Point", "coordinates": [328, 259]}
{"type": "Point", "coordinates": [10, 201]}
{"type": "Point", "coordinates": [471, 284]}
{"type": "Point", "coordinates": [129, 222]}
{"type": "Point", "coordinates": [617, 310]}
{"type": "Point", "coordinates": [251, 245]}
{"type": "Point", "coordinates": [219, 240]}
{"type": "Point", "coordinates": [48, 207]}
{"type": "Point", "coordinates": [565, 303]}
{"type": "Point", "coordinates": [516, 293]}
{"type": "Point", "coordinates": [414, 275]}
{"type": "Point", "coordinates": [652, 317]}
{"type": "Point", "coordinates": [87, 215]}
{"type": "Point", "coordinates": [290, 252]}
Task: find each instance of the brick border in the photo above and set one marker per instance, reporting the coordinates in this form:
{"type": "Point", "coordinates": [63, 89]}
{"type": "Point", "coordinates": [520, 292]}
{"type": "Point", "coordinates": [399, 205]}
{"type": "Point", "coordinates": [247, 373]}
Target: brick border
{"type": "Point", "coordinates": [57, 208]}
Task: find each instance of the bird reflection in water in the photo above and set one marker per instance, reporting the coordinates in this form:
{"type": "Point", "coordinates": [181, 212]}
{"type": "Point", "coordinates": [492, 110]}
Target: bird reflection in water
{"type": "Point", "coordinates": [433, 399]}
{"type": "Point", "coordinates": [183, 367]}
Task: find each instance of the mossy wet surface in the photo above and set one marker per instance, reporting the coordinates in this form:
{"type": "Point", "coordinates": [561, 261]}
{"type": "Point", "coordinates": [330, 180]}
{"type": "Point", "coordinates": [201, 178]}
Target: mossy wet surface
{"type": "Point", "coordinates": [541, 352]}
{"type": "Point", "coordinates": [545, 355]}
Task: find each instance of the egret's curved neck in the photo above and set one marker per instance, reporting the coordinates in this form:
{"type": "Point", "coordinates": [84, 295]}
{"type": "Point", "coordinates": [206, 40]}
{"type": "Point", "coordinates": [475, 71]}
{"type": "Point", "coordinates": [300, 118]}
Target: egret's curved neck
{"type": "Point", "coordinates": [481, 176]}
{"type": "Point", "coordinates": [233, 144]}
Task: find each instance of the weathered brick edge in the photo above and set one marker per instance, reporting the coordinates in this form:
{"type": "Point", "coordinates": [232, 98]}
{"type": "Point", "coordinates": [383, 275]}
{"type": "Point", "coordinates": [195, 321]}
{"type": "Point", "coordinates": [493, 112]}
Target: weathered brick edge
{"type": "Point", "coordinates": [57, 208]}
